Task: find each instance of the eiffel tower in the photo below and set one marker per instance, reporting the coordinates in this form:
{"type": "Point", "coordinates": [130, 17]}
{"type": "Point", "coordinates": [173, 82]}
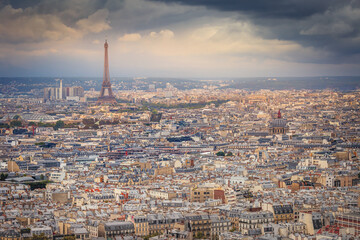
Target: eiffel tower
{"type": "Point", "coordinates": [106, 94]}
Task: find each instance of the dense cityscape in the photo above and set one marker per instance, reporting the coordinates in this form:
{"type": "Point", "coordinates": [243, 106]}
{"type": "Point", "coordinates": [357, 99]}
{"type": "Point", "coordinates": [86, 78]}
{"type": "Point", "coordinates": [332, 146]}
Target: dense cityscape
{"type": "Point", "coordinates": [225, 120]}
{"type": "Point", "coordinates": [181, 164]}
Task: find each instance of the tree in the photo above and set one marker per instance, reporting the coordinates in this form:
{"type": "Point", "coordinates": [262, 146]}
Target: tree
{"type": "Point", "coordinates": [15, 123]}
{"type": "Point", "coordinates": [59, 124]}
{"type": "Point", "coordinates": [4, 125]}
{"type": "Point", "coordinates": [151, 235]}
{"type": "Point", "coordinates": [216, 237]}
{"type": "Point", "coordinates": [3, 177]}
{"type": "Point", "coordinates": [42, 177]}
{"type": "Point", "coordinates": [199, 235]}
{"type": "Point", "coordinates": [39, 237]}
{"type": "Point", "coordinates": [229, 154]}
{"type": "Point", "coordinates": [41, 124]}
{"type": "Point", "coordinates": [220, 153]}
{"type": "Point", "coordinates": [39, 184]}
{"type": "Point", "coordinates": [69, 238]}
{"type": "Point", "coordinates": [88, 121]}
{"type": "Point", "coordinates": [16, 117]}
{"type": "Point", "coordinates": [32, 123]}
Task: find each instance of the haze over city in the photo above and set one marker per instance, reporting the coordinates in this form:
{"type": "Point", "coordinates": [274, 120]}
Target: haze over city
{"type": "Point", "coordinates": [185, 38]}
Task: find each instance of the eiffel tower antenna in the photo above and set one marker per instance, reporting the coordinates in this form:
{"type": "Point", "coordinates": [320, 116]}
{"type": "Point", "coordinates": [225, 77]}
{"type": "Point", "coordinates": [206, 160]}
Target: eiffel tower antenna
{"type": "Point", "coordinates": [106, 94]}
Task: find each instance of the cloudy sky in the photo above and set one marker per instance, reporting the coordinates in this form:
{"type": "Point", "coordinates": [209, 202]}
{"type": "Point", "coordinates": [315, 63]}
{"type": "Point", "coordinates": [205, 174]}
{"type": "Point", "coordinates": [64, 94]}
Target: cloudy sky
{"type": "Point", "coordinates": [180, 38]}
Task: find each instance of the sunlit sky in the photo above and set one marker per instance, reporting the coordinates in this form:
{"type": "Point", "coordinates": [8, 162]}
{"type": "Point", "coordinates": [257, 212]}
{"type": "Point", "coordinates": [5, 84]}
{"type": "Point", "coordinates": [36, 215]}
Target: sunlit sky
{"type": "Point", "coordinates": [188, 38]}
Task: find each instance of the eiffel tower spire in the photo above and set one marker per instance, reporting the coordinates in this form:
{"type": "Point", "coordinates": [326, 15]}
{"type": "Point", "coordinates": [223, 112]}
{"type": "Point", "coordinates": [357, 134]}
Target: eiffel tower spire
{"type": "Point", "coordinates": [106, 94]}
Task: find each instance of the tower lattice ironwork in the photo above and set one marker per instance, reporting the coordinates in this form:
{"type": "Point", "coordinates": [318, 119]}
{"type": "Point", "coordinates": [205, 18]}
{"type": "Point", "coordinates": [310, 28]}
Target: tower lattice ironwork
{"type": "Point", "coordinates": [106, 94]}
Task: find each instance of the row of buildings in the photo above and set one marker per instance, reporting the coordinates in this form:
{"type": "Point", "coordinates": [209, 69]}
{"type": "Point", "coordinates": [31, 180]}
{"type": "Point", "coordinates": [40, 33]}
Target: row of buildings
{"type": "Point", "coordinates": [74, 93]}
{"type": "Point", "coordinates": [237, 170]}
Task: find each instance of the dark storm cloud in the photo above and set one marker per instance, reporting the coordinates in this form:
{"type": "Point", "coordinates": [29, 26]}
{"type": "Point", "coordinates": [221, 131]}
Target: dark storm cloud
{"type": "Point", "coordinates": [222, 35]}
{"type": "Point", "coordinates": [329, 25]}
{"type": "Point", "coordinates": [294, 9]}
{"type": "Point", "coordinates": [68, 11]}
{"type": "Point", "coordinates": [29, 19]}
{"type": "Point", "coordinates": [42, 20]}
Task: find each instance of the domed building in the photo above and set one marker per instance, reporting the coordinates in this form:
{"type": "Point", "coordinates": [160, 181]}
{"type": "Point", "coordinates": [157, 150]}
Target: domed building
{"type": "Point", "coordinates": [278, 125]}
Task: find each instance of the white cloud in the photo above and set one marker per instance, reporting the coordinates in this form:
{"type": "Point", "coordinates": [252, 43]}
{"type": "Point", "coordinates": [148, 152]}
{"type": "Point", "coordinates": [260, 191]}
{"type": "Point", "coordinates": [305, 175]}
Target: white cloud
{"type": "Point", "coordinates": [18, 25]}
{"type": "Point", "coordinates": [227, 38]}
{"type": "Point", "coordinates": [26, 26]}
{"type": "Point", "coordinates": [165, 34]}
{"type": "Point", "coordinates": [132, 37]}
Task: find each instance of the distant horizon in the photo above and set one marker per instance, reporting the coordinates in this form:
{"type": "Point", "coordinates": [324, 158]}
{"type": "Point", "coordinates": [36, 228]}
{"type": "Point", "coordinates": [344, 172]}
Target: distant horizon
{"type": "Point", "coordinates": [175, 77]}
{"type": "Point", "coordinates": [24, 84]}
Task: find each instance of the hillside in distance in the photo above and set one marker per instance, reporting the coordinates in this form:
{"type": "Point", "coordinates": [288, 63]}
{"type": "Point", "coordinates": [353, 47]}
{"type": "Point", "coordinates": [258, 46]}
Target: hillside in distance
{"type": "Point", "coordinates": [345, 83]}
{"type": "Point", "coordinates": [17, 85]}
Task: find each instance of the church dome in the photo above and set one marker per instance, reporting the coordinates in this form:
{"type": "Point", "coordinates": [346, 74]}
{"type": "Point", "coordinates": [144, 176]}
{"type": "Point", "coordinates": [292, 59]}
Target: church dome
{"type": "Point", "coordinates": [278, 123]}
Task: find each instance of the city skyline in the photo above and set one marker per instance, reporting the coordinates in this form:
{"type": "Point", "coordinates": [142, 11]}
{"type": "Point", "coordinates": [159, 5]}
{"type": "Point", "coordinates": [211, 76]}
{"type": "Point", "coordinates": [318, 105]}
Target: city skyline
{"type": "Point", "coordinates": [179, 119]}
{"type": "Point", "coordinates": [198, 39]}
